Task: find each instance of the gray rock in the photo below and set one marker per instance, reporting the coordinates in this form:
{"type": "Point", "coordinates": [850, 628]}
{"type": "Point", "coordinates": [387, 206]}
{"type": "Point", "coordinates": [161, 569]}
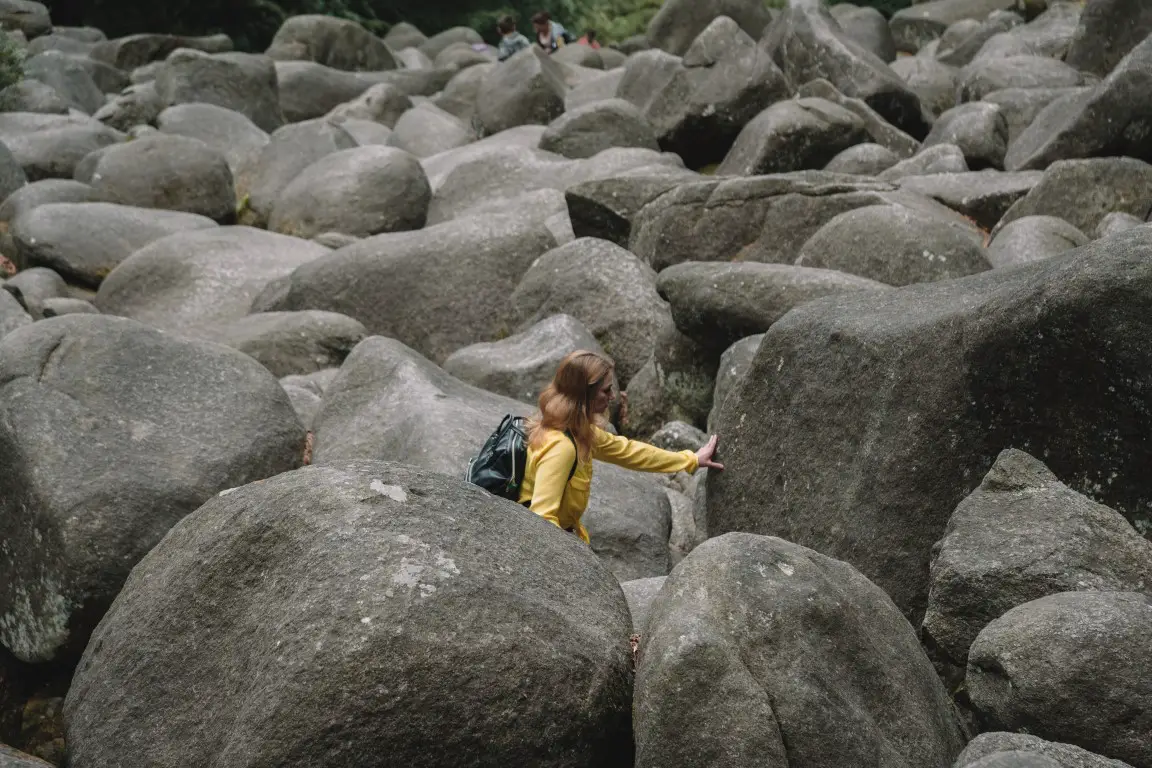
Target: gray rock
{"type": "Point", "coordinates": [1015, 759]}
{"type": "Point", "coordinates": [426, 130]}
{"type": "Point", "coordinates": [978, 129]}
{"type": "Point", "coordinates": [416, 83]}
{"type": "Point", "coordinates": [50, 146]}
{"type": "Point", "coordinates": [674, 385]}
{"type": "Point", "coordinates": [391, 403]}
{"type": "Point", "coordinates": [587, 131]}
{"type": "Point", "coordinates": [734, 364]}
{"type": "Point", "coordinates": [367, 133]}
{"type": "Point", "coordinates": [1111, 119]}
{"type": "Point", "coordinates": [12, 175]}
{"type": "Point", "coordinates": [523, 364]}
{"type": "Point", "coordinates": [934, 82]}
{"type": "Point", "coordinates": [404, 35]}
{"type": "Point", "coordinates": [699, 104]}
{"type": "Point", "coordinates": [1065, 755]}
{"type": "Point", "coordinates": [57, 307]}
{"type": "Point", "coordinates": [12, 315]}
{"type": "Point", "coordinates": [1072, 666]}
{"type": "Point", "coordinates": [84, 242]}
{"type": "Point", "coordinates": [793, 135]}
{"type": "Point", "coordinates": [964, 40]}
{"type": "Point", "coordinates": [233, 135]}
{"type": "Point", "coordinates": [172, 173]}
{"type": "Point", "coordinates": [915, 27]}
{"type": "Point", "coordinates": [984, 76]}
{"type": "Point", "coordinates": [881, 131]}
{"type": "Point", "coordinates": [755, 643]}
{"type": "Point", "coordinates": [1112, 224]}
{"type": "Point", "coordinates": [11, 758]}
{"type": "Point", "coordinates": [289, 151]}
{"type": "Point", "coordinates": [941, 158]}
{"type": "Point", "coordinates": [190, 283]}
{"type": "Point", "coordinates": [603, 286]}
{"type": "Point", "coordinates": [894, 245]}
{"type": "Point", "coordinates": [1020, 536]}
{"type": "Point", "coordinates": [438, 290]}
{"type": "Point", "coordinates": [640, 593]}
{"type": "Point", "coordinates": [68, 78]}
{"type": "Point", "coordinates": [863, 160]}
{"type": "Point", "coordinates": [361, 192]}
{"type": "Point", "coordinates": [807, 43]}
{"type": "Point", "coordinates": [679, 23]}
{"type": "Point", "coordinates": [136, 105]}
{"type": "Point", "coordinates": [425, 551]}
{"type": "Point", "coordinates": [605, 208]}
{"type": "Point", "coordinates": [123, 397]}
{"type": "Point", "coordinates": [32, 96]}
{"type": "Point", "coordinates": [84, 34]}
{"type": "Point", "coordinates": [42, 192]}
{"type": "Point", "coordinates": [383, 103]}
{"type": "Point", "coordinates": [309, 90]}
{"type": "Point", "coordinates": [435, 45]}
{"type": "Point", "coordinates": [678, 436]}
{"type": "Point", "coordinates": [307, 393]}
{"type": "Point", "coordinates": [331, 41]}
{"type": "Point", "coordinates": [793, 432]}
{"type": "Point", "coordinates": [524, 137]}
{"type": "Point", "coordinates": [1033, 238]}
{"type": "Point", "coordinates": [240, 82]}
{"type": "Point", "coordinates": [717, 304]}
{"type": "Point", "coordinates": [459, 95]}
{"type": "Point", "coordinates": [128, 53]}
{"type": "Point", "coordinates": [57, 42]}
{"type": "Point", "coordinates": [1049, 34]}
{"type": "Point", "coordinates": [293, 343]}
{"type": "Point", "coordinates": [599, 88]}
{"type": "Point", "coordinates": [983, 196]}
{"type": "Point", "coordinates": [462, 56]}
{"type": "Point", "coordinates": [868, 27]}
{"type": "Point", "coordinates": [1107, 31]}
{"type": "Point", "coordinates": [33, 286]}
{"type": "Point", "coordinates": [1083, 192]}
{"type": "Point", "coordinates": [28, 17]}
{"type": "Point", "coordinates": [527, 89]}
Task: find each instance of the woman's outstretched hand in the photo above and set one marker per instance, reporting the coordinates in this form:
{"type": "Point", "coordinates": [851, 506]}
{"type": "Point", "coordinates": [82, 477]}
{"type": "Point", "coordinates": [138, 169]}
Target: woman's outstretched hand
{"type": "Point", "coordinates": [704, 455]}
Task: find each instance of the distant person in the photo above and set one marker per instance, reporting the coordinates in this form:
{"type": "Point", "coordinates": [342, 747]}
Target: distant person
{"type": "Point", "coordinates": [511, 41]}
{"type": "Point", "coordinates": [550, 35]}
{"type": "Point", "coordinates": [589, 39]}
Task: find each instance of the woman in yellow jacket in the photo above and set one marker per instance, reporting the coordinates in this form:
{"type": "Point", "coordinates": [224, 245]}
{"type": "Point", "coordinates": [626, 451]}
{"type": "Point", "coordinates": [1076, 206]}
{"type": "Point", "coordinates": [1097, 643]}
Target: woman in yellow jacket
{"type": "Point", "coordinates": [576, 402]}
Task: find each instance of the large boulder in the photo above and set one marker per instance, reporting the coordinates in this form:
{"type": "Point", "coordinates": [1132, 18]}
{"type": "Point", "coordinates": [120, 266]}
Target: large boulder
{"type": "Point", "coordinates": [986, 75]}
{"type": "Point", "coordinates": [128, 53]}
{"type": "Point", "coordinates": [915, 27]}
{"type": "Point", "coordinates": [1107, 31]}
{"type": "Point", "coordinates": [679, 22]}
{"type": "Point", "coordinates": [1074, 667]}
{"type": "Point", "coordinates": [12, 175]}
{"type": "Point", "coordinates": [1020, 106]}
{"type": "Point", "coordinates": [401, 612]}
{"type": "Point", "coordinates": [135, 106]}
{"type": "Point", "coordinates": [895, 245]}
{"type": "Point", "coordinates": [233, 135]}
{"type": "Point", "coordinates": [1083, 192]}
{"type": "Point", "coordinates": [34, 286]}
{"type": "Point", "coordinates": [881, 131]}
{"type": "Point", "coordinates": [866, 159]}
{"type": "Point", "coordinates": [435, 45]}
{"type": "Point", "coordinates": [293, 343]}
{"type": "Point", "coordinates": [986, 357]}
{"type": "Point", "coordinates": [794, 135]}
{"type": "Point", "coordinates": [528, 89]}
{"type": "Point", "coordinates": [759, 651]}
{"type": "Point", "coordinates": [191, 282]}
{"type": "Point", "coordinates": [868, 27]}
{"type": "Point", "coordinates": [699, 104]}
{"type": "Point", "coordinates": [404, 35]}
{"type": "Point", "coordinates": [1033, 238]}
{"type": "Point", "coordinates": [586, 131]}
{"type": "Point", "coordinates": [717, 304]}
{"type": "Point", "coordinates": [43, 192]}
{"type": "Point", "coordinates": [426, 131]}
{"type": "Point", "coordinates": [983, 196]}
{"type": "Point", "coordinates": [383, 103]}
{"type": "Point", "coordinates": [32, 96]}
{"type": "Point", "coordinates": [154, 426]}
{"type": "Point", "coordinates": [941, 158]}
{"type": "Point", "coordinates": [807, 43]}
{"type": "Point", "coordinates": [172, 173]}
{"type": "Point", "coordinates": [979, 130]}
{"type": "Point", "coordinates": [68, 77]}
{"type": "Point", "coordinates": [1020, 536]}
{"type": "Point", "coordinates": [30, 18]}
{"type": "Point", "coordinates": [12, 315]}
{"type": "Point", "coordinates": [51, 146]}
{"type": "Point", "coordinates": [1065, 755]}
{"type": "Point", "coordinates": [360, 192]}
{"type": "Point", "coordinates": [241, 82]}
{"type": "Point", "coordinates": [11, 758]}
{"type": "Point", "coordinates": [1111, 119]}
{"type": "Point", "coordinates": [603, 286]}
{"type": "Point", "coordinates": [437, 290]}
{"type": "Point", "coordinates": [934, 82]}
{"type": "Point", "coordinates": [289, 151]}
{"type": "Point", "coordinates": [84, 242]}
{"type": "Point", "coordinates": [309, 90]}
{"type": "Point", "coordinates": [331, 41]}
{"type": "Point", "coordinates": [521, 365]}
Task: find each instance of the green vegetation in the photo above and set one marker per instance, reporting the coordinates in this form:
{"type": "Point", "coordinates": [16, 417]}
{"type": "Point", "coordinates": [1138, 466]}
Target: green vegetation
{"type": "Point", "coordinates": [11, 62]}
{"type": "Point", "coordinates": [252, 23]}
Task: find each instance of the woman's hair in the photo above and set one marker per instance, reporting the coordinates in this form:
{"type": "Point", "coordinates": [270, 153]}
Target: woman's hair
{"type": "Point", "coordinates": [566, 403]}
{"type": "Point", "coordinates": [506, 24]}
{"type": "Point", "coordinates": [541, 17]}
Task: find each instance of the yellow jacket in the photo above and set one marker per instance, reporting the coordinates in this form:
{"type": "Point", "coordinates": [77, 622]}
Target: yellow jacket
{"type": "Point", "coordinates": [563, 502]}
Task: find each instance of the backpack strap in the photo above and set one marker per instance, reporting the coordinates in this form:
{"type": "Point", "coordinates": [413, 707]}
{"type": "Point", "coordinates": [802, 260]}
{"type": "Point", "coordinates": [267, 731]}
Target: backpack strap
{"type": "Point", "coordinates": [572, 471]}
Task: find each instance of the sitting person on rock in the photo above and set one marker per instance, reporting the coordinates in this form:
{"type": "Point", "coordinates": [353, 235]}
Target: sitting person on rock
{"type": "Point", "coordinates": [589, 40]}
{"type": "Point", "coordinates": [550, 35]}
{"type": "Point", "coordinates": [565, 436]}
{"type": "Point", "coordinates": [511, 41]}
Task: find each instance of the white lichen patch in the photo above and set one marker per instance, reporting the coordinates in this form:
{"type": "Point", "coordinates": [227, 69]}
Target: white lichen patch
{"type": "Point", "coordinates": [36, 623]}
{"type": "Point", "coordinates": [394, 492]}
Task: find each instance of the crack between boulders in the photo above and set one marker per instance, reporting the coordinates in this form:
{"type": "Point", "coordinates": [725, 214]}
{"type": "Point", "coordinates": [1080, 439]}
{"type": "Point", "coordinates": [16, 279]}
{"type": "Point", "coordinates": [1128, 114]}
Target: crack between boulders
{"type": "Point", "coordinates": [48, 358]}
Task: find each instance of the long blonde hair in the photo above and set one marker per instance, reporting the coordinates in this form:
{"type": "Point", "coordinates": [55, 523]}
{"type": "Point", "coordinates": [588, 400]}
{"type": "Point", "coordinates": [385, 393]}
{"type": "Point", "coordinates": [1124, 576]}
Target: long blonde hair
{"type": "Point", "coordinates": [566, 403]}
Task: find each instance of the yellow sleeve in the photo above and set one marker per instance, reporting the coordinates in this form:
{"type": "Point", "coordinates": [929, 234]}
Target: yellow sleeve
{"type": "Point", "coordinates": [642, 457]}
{"type": "Point", "coordinates": [552, 470]}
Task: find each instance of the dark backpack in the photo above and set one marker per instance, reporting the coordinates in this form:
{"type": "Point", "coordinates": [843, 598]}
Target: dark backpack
{"type": "Point", "coordinates": [499, 468]}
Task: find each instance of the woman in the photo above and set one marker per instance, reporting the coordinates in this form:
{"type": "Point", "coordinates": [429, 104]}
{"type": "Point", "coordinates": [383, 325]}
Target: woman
{"type": "Point", "coordinates": [566, 431]}
{"type": "Point", "coordinates": [549, 34]}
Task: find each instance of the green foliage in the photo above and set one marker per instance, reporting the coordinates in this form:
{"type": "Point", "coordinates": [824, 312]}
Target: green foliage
{"type": "Point", "coordinates": [11, 61]}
